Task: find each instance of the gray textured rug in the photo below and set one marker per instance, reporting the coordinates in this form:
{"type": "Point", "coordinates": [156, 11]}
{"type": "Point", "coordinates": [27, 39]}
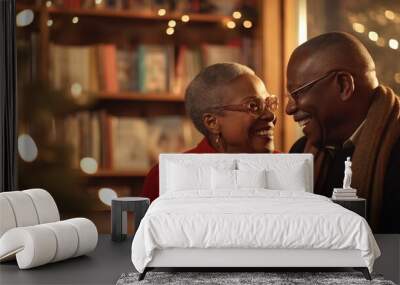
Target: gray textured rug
{"type": "Point", "coordinates": [229, 278]}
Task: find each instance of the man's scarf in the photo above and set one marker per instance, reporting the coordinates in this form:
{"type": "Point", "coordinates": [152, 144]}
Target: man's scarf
{"type": "Point", "coordinates": [372, 152]}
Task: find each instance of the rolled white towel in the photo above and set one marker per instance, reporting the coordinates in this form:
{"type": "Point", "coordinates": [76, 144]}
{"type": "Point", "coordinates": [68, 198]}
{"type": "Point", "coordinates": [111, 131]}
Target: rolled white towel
{"type": "Point", "coordinates": [67, 240]}
{"type": "Point", "coordinates": [45, 205]}
{"type": "Point", "coordinates": [7, 218]}
{"type": "Point", "coordinates": [87, 235]}
{"type": "Point", "coordinates": [33, 246]}
{"type": "Point", "coordinates": [23, 208]}
{"type": "Point", "coordinates": [40, 244]}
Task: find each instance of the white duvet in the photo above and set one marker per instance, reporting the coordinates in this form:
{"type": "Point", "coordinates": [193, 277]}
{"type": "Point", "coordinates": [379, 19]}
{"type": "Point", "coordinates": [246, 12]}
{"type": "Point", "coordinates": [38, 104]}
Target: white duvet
{"type": "Point", "coordinates": [252, 218]}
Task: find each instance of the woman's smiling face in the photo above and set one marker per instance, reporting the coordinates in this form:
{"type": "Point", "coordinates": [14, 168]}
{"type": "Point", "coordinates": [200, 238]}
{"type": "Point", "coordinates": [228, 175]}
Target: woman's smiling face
{"type": "Point", "coordinates": [243, 131]}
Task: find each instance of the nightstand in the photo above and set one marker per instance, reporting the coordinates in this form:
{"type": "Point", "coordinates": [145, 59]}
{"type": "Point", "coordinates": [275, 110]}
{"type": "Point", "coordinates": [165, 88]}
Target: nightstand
{"type": "Point", "coordinates": [119, 207]}
{"type": "Point", "coordinates": [357, 205]}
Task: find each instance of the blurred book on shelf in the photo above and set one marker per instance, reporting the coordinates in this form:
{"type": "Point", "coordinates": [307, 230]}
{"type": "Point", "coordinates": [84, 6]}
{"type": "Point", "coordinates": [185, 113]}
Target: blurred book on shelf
{"type": "Point", "coordinates": [166, 134]}
{"type": "Point", "coordinates": [27, 63]}
{"type": "Point", "coordinates": [127, 69]}
{"type": "Point", "coordinates": [218, 53]}
{"type": "Point", "coordinates": [129, 137]}
{"type": "Point", "coordinates": [126, 143]}
{"type": "Point", "coordinates": [153, 67]}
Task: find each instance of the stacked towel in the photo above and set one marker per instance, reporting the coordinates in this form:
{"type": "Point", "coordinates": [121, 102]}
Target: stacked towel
{"type": "Point", "coordinates": [344, 194]}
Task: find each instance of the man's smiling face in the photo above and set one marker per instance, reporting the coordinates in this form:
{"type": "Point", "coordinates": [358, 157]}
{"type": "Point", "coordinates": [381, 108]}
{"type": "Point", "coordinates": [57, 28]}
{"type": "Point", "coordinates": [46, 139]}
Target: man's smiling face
{"type": "Point", "coordinates": [314, 107]}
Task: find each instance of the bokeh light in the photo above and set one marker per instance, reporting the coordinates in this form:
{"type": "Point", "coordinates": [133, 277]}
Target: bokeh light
{"type": "Point", "coordinates": [359, 28]}
{"type": "Point", "coordinates": [231, 24]}
{"type": "Point", "coordinates": [394, 44]}
{"type": "Point", "coordinates": [185, 18]}
{"type": "Point", "coordinates": [76, 90]}
{"type": "Point", "coordinates": [88, 165]}
{"type": "Point", "coordinates": [25, 18]}
{"type": "Point", "coordinates": [27, 148]}
{"type": "Point", "coordinates": [170, 31]}
{"type": "Point", "coordinates": [237, 15]}
{"type": "Point", "coordinates": [390, 14]}
{"type": "Point", "coordinates": [162, 12]}
{"type": "Point", "coordinates": [247, 24]}
{"type": "Point", "coordinates": [171, 23]}
{"type": "Point", "coordinates": [106, 195]}
{"type": "Point", "coordinates": [373, 36]}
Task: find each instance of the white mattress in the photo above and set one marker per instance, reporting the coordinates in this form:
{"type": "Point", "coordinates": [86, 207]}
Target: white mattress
{"type": "Point", "coordinates": [256, 218]}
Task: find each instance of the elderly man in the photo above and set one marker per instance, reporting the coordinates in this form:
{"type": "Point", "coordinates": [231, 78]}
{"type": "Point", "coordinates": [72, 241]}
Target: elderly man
{"type": "Point", "coordinates": [336, 99]}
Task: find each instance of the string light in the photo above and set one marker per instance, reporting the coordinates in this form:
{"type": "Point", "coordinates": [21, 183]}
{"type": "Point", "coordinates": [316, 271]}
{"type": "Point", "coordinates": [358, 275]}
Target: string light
{"type": "Point", "coordinates": [394, 44]}
{"type": "Point", "coordinates": [231, 24]}
{"type": "Point", "coordinates": [98, 2]}
{"type": "Point", "coordinates": [237, 15]}
{"type": "Point", "coordinates": [359, 28]}
{"type": "Point", "coordinates": [373, 36]}
{"type": "Point", "coordinates": [185, 18]}
{"type": "Point", "coordinates": [170, 31]}
{"type": "Point", "coordinates": [162, 12]}
{"type": "Point", "coordinates": [75, 20]}
{"type": "Point", "coordinates": [247, 24]}
{"type": "Point", "coordinates": [171, 23]}
{"type": "Point", "coordinates": [390, 14]}
{"type": "Point", "coordinates": [49, 22]}
{"type": "Point", "coordinates": [49, 4]}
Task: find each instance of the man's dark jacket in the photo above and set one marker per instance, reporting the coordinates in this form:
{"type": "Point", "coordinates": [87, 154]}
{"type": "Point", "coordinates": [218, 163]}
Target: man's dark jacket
{"type": "Point", "coordinates": [390, 217]}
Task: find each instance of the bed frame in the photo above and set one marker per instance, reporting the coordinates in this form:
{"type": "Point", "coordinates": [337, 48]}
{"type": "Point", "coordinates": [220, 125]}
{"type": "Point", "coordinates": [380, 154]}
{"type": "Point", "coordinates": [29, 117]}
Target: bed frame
{"type": "Point", "coordinates": [241, 259]}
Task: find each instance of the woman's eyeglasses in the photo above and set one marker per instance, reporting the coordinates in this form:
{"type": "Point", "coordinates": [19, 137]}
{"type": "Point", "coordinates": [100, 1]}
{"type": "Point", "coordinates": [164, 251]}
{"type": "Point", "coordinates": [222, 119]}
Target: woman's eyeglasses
{"type": "Point", "coordinates": [255, 106]}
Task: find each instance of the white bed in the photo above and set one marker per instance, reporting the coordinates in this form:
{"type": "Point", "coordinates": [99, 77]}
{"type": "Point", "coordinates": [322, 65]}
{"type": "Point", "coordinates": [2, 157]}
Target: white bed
{"type": "Point", "coordinates": [224, 217]}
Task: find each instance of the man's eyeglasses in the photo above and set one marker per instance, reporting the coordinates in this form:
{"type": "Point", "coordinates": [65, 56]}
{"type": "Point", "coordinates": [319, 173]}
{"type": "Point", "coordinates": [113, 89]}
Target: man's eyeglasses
{"type": "Point", "coordinates": [255, 106]}
{"type": "Point", "coordinates": [296, 93]}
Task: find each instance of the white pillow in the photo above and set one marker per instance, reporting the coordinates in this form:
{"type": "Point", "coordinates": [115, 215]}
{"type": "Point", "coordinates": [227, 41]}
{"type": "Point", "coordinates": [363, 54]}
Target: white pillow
{"type": "Point", "coordinates": [251, 178]}
{"type": "Point", "coordinates": [181, 177]}
{"type": "Point", "coordinates": [223, 179]}
{"type": "Point", "coordinates": [292, 178]}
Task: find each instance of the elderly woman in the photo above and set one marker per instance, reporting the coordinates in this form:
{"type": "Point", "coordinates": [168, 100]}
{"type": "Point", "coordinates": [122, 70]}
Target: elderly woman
{"type": "Point", "coordinates": [231, 107]}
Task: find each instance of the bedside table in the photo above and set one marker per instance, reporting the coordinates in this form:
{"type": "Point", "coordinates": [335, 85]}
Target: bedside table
{"type": "Point", "coordinates": [119, 207]}
{"type": "Point", "coordinates": [357, 205]}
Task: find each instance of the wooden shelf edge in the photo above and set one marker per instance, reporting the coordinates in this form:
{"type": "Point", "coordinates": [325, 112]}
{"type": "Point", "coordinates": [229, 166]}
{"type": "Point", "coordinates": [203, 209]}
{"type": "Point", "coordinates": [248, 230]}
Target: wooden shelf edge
{"type": "Point", "coordinates": [116, 173]}
{"type": "Point", "coordinates": [205, 18]}
{"type": "Point", "coordinates": [137, 96]}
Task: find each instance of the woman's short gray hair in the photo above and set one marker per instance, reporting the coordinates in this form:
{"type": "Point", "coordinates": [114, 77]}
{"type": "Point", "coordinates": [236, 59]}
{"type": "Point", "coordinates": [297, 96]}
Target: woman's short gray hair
{"type": "Point", "coordinates": [202, 92]}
